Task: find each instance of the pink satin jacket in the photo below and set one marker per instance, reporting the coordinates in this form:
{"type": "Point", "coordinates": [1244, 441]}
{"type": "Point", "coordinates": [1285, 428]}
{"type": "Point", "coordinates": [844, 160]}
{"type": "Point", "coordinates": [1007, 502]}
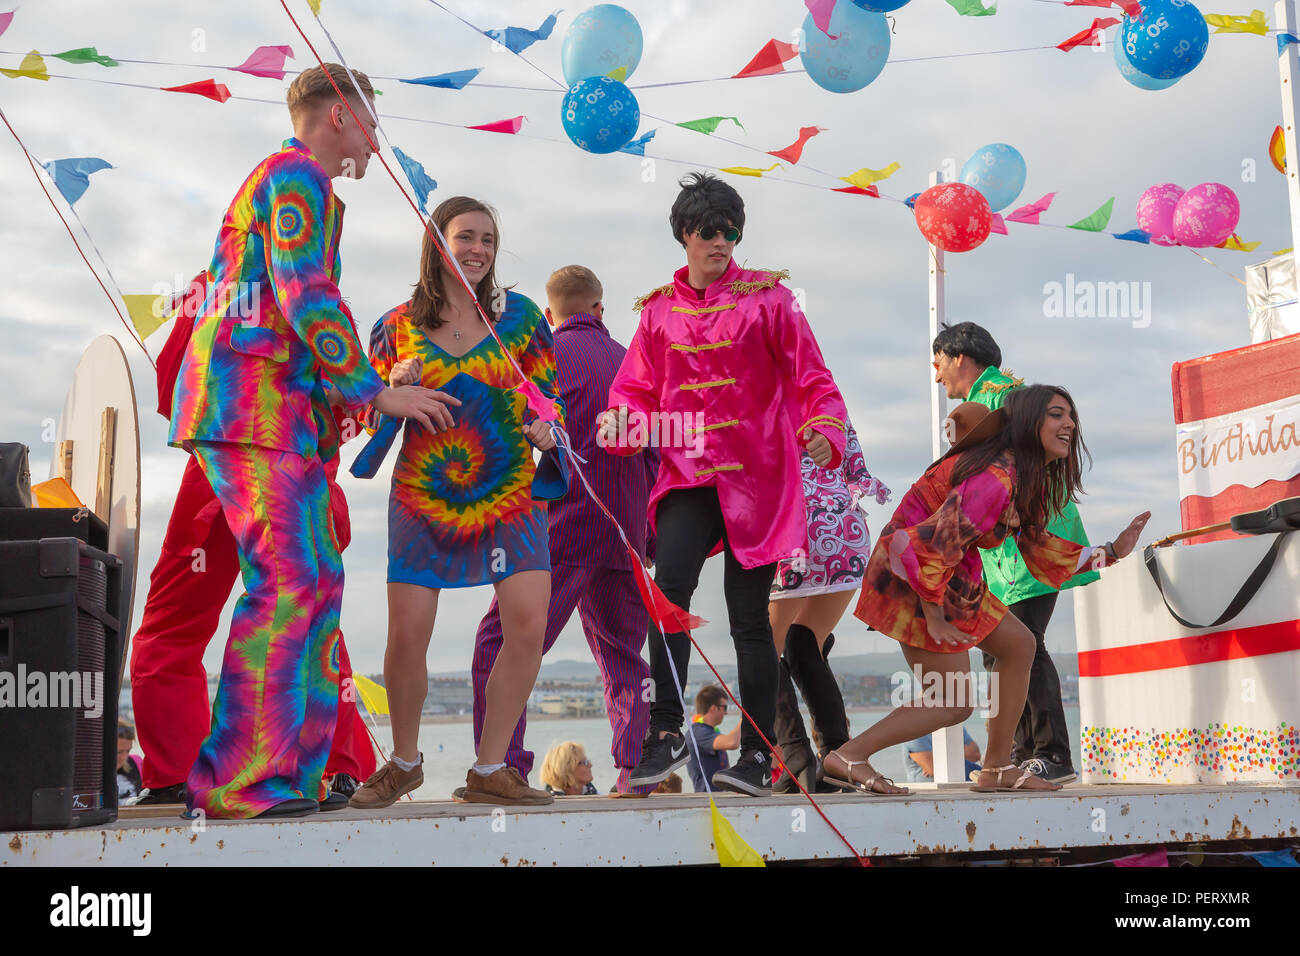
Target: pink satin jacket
{"type": "Point", "coordinates": [725, 384]}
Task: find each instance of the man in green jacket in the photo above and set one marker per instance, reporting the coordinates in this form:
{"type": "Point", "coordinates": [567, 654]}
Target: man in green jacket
{"type": "Point", "coordinates": [966, 363]}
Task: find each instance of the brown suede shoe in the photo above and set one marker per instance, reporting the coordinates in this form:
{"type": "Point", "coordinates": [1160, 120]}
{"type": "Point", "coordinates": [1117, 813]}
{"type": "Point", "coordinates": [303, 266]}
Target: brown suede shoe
{"type": "Point", "coordinates": [386, 784]}
{"type": "Point", "coordinates": [503, 787]}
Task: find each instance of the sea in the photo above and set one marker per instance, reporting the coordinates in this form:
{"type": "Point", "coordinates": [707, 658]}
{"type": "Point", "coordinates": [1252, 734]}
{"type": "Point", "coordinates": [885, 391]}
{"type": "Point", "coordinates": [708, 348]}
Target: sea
{"type": "Point", "coordinates": [448, 747]}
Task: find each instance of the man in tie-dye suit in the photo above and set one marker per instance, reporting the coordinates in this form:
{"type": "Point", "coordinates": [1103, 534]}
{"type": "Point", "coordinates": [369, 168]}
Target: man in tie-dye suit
{"type": "Point", "coordinates": [271, 350]}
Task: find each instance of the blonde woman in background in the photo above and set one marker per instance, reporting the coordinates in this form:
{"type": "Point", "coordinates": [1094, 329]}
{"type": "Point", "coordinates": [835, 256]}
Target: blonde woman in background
{"type": "Point", "coordinates": [566, 771]}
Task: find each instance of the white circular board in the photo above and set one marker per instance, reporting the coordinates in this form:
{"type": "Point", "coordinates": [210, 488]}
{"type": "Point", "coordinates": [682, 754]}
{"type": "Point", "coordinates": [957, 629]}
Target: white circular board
{"type": "Point", "coordinates": [102, 380]}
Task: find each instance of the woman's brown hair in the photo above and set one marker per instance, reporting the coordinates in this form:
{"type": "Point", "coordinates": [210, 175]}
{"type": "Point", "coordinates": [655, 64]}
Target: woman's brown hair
{"type": "Point", "coordinates": [430, 296]}
{"type": "Point", "coordinates": [1042, 488]}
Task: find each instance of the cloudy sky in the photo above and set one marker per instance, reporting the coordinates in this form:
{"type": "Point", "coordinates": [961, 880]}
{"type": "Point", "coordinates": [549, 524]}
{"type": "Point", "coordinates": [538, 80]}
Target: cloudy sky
{"type": "Point", "coordinates": [1085, 134]}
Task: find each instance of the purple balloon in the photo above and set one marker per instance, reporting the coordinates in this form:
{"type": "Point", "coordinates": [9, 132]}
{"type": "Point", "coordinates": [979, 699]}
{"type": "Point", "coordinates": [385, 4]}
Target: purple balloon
{"type": "Point", "coordinates": [1155, 212]}
{"type": "Point", "coordinates": [1206, 215]}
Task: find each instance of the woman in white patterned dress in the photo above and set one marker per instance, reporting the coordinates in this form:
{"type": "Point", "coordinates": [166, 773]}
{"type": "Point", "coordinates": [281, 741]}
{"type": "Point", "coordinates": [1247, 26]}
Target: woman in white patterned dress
{"type": "Point", "coordinates": [810, 593]}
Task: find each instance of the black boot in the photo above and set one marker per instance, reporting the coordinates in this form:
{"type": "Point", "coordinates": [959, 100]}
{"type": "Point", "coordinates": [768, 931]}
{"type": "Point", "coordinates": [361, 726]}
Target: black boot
{"type": "Point", "coordinates": [792, 737]}
{"type": "Point", "coordinates": [821, 692]}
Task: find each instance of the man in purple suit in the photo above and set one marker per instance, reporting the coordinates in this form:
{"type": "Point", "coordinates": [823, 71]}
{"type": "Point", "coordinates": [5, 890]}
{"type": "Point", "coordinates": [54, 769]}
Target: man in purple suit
{"type": "Point", "coordinates": [590, 569]}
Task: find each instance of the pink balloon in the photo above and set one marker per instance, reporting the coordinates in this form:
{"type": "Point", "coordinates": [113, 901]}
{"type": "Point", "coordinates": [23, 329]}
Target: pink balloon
{"type": "Point", "coordinates": [1155, 212]}
{"type": "Point", "coordinates": [1206, 215]}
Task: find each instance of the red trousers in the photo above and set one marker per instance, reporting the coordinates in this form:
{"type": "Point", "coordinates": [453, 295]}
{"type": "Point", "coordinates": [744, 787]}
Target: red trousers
{"type": "Point", "coordinates": [189, 586]}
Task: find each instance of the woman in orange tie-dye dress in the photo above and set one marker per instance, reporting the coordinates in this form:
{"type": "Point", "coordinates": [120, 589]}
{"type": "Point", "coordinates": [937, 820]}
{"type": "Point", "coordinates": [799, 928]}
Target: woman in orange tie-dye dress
{"type": "Point", "coordinates": [925, 586]}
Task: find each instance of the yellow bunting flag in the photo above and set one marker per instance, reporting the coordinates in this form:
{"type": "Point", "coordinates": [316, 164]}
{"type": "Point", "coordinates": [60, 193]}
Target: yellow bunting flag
{"type": "Point", "coordinates": [373, 695]}
{"type": "Point", "coordinates": [865, 177]}
{"type": "Point", "coordinates": [1236, 245]}
{"type": "Point", "coordinates": [1282, 252]}
{"type": "Point", "coordinates": [1227, 23]}
{"type": "Point", "coordinates": [33, 65]}
{"type": "Point", "coordinates": [732, 850]}
{"type": "Point", "coordinates": [618, 73]}
{"type": "Point", "coordinates": [748, 170]}
{"type": "Point", "coordinates": [315, 6]}
{"type": "Point", "coordinates": [148, 312]}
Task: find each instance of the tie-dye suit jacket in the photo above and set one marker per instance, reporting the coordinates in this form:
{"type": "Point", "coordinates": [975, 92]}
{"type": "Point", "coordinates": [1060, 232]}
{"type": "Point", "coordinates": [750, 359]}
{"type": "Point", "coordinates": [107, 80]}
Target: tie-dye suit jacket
{"type": "Point", "coordinates": [274, 329]}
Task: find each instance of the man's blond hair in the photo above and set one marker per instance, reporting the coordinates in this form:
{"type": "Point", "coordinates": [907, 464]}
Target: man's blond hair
{"type": "Point", "coordinates": [573, 289]}
{"type": "Point", "coordinates": [312, 88]}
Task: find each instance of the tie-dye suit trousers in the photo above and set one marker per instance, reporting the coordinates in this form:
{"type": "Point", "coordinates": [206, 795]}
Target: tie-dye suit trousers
{"type": "Point", "coordinates": [274, 714]}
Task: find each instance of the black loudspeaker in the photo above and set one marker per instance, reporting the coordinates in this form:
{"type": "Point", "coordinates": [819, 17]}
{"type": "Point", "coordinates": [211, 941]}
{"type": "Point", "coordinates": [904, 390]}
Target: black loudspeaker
{"type": "Point", "coordinates": [60, 657]}
{"type": "Point", "coordinates": [32, 524]}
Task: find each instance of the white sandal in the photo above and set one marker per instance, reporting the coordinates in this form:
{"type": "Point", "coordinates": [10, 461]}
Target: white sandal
{"type": "Point", "coordinates": [1018, 786]}
{"type": "Point", "coordinates": [859, 786]}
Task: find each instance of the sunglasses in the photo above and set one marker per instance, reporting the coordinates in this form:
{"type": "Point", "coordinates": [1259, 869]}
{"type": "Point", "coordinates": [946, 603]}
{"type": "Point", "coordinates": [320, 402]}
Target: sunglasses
{"type": "Point", "coordinates": [729, 233]}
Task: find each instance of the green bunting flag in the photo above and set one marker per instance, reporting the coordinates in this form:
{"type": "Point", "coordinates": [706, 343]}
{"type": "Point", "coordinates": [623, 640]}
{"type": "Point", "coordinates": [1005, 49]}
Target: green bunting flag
{"type": "Point", "coordinates": [86, 54]}
{"type": "Point", "coordinates": [708, 124]}
{"type": "Point", "coordinates": [973, 8]}
{"type": "Point", "coordinates": [1098, 220]}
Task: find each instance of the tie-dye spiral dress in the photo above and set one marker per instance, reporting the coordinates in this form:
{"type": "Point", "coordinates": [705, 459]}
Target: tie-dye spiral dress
{"type": "Point", "coordinates": [461, 511]}
{"type": "Point", "coordinates": [931, 549]}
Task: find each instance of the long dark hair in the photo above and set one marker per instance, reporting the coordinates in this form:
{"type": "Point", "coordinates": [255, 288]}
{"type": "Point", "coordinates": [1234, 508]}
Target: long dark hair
{"type": "Point", "coordinates": [429, 295]}
{"type": "Point", "coordinates": [1042, 488]}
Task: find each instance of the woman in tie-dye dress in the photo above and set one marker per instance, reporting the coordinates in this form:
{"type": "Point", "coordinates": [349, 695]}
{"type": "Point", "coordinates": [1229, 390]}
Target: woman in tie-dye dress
{"type": "Point", "coordinates": [462, 510]}
{"type": "Point", "coordinates": [809, 595]}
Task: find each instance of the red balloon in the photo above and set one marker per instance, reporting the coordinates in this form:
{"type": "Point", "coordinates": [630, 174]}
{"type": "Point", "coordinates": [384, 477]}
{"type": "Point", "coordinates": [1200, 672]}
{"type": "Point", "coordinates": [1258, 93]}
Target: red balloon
{"type": "Point", "coordinates": [953, 216]}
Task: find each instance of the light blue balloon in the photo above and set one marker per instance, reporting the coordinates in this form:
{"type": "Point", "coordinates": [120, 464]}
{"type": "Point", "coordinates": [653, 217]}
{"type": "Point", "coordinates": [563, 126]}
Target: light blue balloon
{"type": "Point", "coordinates": [852, 60]}
{"type": "Point", "coordinates": [1167, 41]}
{"type": "Point", "coordinates": [1132, 73]}
{"type": "Point", "coordinates": [600, 115]}
{"type": "Point", "coordinates": [599, 41]}
{"type": "Point", "coordinates": [998, 172]}
{"type": "Point", "coordinates": [880, 6]}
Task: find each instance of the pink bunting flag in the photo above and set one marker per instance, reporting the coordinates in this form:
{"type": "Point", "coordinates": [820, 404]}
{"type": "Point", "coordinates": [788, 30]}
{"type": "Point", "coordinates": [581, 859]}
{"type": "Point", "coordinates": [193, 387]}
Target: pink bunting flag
{"type": "Point", "coordinates": [771, 59]}
{"type": "Point", "coordinates": [1131, 8]}
{"type": "Point", "coordinates": [821, 11]}
{"type": "Point", "coordinates": [1158, 857]}
{"type": "Point", "coordinates": [5, 20]}
{"type": "Point", "coordinates": [209, 88]}
{"type": "Point", "coordinates": [998, 225]}
{"type": "Point", "coordinates": [1088, 37]}
{"type": "Point", "coordinates": [858, 191]}
{"type": "Point", "coordinates": [502, 126]}
{"type": "Point", "coordinates": [792, 152]}
{"type": "Point", "coordinates": [266, 61]}
{"type": "Point", "coordinates": [543, 409]}
{"type": "Point", "coordinates": [1029, 214]}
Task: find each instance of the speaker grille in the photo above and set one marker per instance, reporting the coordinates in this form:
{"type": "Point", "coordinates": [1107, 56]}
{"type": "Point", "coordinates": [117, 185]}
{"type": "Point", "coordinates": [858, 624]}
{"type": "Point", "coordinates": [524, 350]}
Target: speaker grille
{"type": "Point", "coordinates": [88, 763]}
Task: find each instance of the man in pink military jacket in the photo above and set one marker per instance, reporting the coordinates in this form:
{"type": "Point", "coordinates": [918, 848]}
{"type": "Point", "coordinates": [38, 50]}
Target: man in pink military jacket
{"type": "Point", "coordinates": [725, 371]}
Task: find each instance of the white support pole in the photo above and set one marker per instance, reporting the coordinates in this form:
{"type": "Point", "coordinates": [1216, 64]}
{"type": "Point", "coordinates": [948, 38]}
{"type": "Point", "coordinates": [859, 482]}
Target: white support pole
{"type": "Point", "coordinates": [948, 752]}
{"type": "Point", "coordinates": [1289, 75]}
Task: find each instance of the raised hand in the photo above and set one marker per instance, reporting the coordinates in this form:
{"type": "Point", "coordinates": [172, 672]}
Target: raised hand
{"type": "Point", "coordinates": [1128, 538]}
{"type": "Point", "coordinates": [425, 405]}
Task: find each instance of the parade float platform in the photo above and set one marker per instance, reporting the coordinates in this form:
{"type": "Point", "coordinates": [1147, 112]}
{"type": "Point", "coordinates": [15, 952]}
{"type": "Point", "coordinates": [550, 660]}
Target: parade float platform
{"type": "Point", "coordinates": [1077, 824]}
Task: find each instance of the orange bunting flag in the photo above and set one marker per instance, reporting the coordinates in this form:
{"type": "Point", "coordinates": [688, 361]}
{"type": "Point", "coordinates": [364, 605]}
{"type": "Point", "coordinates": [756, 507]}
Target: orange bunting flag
{"type": "Point", "coordinates": [771, 59]}
{"type": "Point", "coordinates": [33, 66]}
{"type": "Point", "coordinates": [748, 170]}
{"type": "Point", "coordinates": [794, 151]}
{"type": "Point", "coordinates": [1088, 37]}
{"type": "Point", "coordinates": [209, 88]}
{"type": "Point", "coordinates": [1277, 151]}
{"type": "Point", "coordinates": [501, 126]}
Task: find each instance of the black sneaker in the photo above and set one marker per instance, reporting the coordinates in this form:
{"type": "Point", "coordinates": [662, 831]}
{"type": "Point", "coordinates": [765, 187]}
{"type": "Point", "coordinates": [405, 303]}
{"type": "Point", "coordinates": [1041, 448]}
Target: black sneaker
{"type": "Point", "coordinates": [660, 756]}
{"type": "Point", "coordinates": [161, 795]}
{"type": "Point", "coordinates": [344, 783]}
{"type": "Point", "coordinates": [752, 774]}
{"type": "Point", "coordinates": [1050, 770]}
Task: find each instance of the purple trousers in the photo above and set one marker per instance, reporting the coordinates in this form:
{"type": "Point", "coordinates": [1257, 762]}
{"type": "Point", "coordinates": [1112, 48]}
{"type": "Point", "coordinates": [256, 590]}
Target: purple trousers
{"type": "Point", "coordinates": [614, 621]}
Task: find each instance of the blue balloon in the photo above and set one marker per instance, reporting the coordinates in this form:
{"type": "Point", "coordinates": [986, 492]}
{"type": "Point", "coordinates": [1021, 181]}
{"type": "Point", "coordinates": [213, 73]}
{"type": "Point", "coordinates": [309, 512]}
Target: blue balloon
{"type": "Point", "coordinates": [1133, 74]}
{"type": "Point", "coordinates": [600, 115]}
{"type": "Point", "coordinates": [599, 41]}
{"type": "Point", "coordinates": [1167, 41]}
{"type": "Point", "coordinates": [998, 172]}
{"type": "Point", "coordinates": [852, 60]}
{"type": "Point", "coordinates": [880, 6]}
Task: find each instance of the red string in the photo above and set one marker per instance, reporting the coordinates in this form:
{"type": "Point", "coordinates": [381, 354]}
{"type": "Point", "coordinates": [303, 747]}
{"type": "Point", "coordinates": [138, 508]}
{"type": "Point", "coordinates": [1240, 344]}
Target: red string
{"type": "Point", "coordinates": [72, 236]}
{"type": "Point", "coordinates": [375, 150]}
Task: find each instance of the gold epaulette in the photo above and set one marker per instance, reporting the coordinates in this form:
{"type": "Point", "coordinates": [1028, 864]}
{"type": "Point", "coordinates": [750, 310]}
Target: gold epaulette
{"type": "Point", "coordinates": [773, 276]}
{"type": "Point", "coordinates": [1003, 386]}
{"type": "Point", "coordinates": [639, 304]}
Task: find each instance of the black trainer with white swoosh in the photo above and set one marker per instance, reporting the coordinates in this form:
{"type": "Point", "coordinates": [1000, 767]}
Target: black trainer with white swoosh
{"type": "Point", "coordinates": [660, 756]}
{"type": "Point", "coordinates": [752, 774]}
